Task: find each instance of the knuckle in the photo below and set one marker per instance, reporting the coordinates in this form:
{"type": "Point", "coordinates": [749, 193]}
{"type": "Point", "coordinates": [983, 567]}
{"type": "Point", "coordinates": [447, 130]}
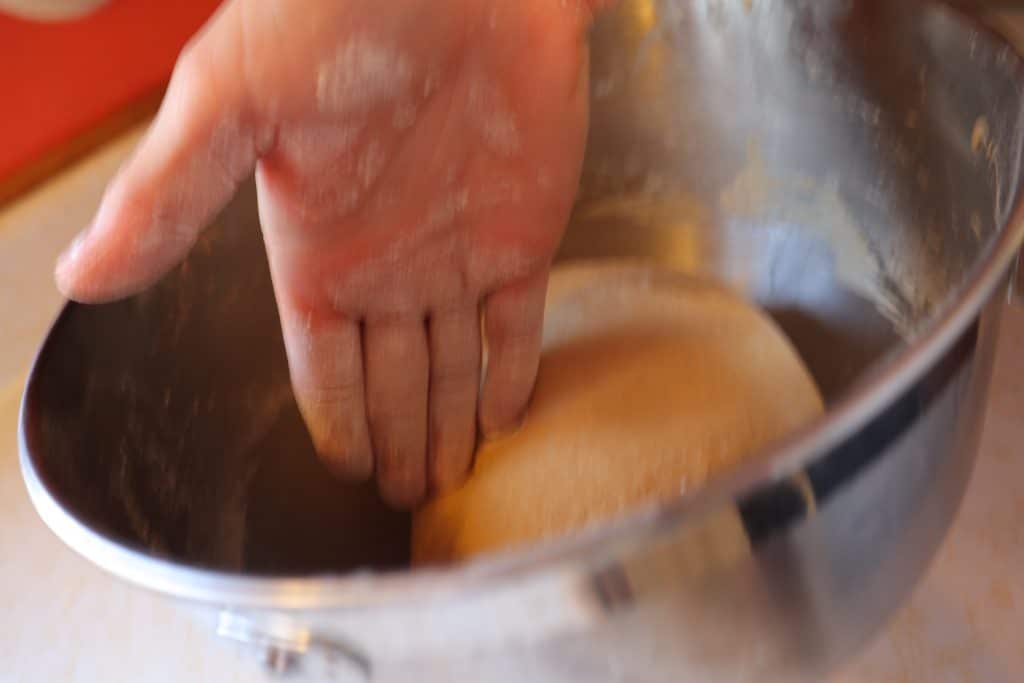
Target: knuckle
{"type": "Point", "coordinates": [330, 402]}
{"type": "Point", "coordinates": [512, 325]}
{"type": "Point", "coordinates": [398, 415]}
{"type": "Point", "coordinates": [514, 356]}
{"type": "Point", "coordinates": [514, 343]}
{"type": "Point", "coordinates": [335, 395]}
{"type": "Point", "coordinates": [453, 373]}
{"type": "Point", "coordinates": [192, 81]}
{"type": "Point", "coordinates": [189, 70]}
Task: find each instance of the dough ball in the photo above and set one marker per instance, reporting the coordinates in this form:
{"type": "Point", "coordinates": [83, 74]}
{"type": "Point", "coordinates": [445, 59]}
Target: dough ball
{"type": "Point", "coordinates": [651, 382]}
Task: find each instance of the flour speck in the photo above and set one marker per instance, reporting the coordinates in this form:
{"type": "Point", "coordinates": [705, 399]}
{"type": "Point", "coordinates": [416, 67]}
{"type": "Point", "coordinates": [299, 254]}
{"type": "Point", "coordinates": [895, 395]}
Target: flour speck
{"type": "Point", "coordinates": [494, 118]}
{"type": "Point", "coordinates": [362, 74]}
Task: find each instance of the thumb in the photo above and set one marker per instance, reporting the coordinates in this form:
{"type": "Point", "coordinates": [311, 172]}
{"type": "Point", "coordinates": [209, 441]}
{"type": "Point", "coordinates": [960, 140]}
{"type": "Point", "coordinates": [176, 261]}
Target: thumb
{"type": "Point", "coordinates": [188, 166]}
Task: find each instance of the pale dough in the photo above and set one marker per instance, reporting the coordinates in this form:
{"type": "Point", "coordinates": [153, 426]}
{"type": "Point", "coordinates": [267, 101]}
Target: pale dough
{"type": "Point", "coordinates": [650, 383]}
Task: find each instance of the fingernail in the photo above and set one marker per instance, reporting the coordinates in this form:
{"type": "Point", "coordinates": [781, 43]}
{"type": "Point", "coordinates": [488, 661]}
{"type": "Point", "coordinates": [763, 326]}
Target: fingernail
{"type": "Point", "coordinates": [349, 467]}
{"type": "Point", "coordinates": [447, 480]}
{"type": "Point", "coordinates": [495, 433]}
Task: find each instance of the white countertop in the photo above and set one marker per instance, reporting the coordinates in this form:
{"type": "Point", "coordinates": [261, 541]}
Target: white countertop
{"type": "Point", "coordinates": [63, 620]}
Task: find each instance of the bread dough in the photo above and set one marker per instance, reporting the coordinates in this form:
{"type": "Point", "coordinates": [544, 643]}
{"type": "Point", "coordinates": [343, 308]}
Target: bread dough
{"type": "Point", "coordinates": [650, 383]}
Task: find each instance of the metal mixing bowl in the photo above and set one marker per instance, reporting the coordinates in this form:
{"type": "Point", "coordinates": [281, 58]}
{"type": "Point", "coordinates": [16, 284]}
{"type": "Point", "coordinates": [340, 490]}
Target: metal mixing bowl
{"type": "Point", "coordinates": [851, 164]}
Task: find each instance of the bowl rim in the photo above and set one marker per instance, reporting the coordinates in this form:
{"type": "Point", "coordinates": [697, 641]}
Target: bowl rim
{"type": "Point", "coordinates": [362, 589]}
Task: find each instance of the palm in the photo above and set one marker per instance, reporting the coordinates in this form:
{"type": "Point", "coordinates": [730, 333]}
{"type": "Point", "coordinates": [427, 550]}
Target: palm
{"type": "Point", "coordinates": [447, 171]}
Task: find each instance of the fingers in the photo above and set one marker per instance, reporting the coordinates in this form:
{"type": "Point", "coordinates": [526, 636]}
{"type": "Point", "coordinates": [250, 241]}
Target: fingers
{"type": "Point", "coordinates": [513, 317]}
{"type": "Point", "coordinates": [397, 372]}
{"type": "Point", "coordinates": [454, 388]}
{"type": "Point", "coordinates": [326, 362]}
{"type": "Point", "coordinates": [187, 167]}
{"type": "Point", "coordinates": [418, 427]}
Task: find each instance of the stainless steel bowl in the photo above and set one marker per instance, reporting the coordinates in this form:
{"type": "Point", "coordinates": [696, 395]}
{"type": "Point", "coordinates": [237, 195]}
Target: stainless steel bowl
{"type": "Point", "coordinates": [851, 164]}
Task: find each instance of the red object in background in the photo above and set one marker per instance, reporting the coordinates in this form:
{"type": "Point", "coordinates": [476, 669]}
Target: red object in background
{"type": "Point", "coordinates": [60, 82]}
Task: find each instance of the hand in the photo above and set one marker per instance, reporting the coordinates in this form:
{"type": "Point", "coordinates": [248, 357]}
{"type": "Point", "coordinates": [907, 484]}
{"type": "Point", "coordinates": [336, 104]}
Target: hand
{"type": "Point", "coordinates": [416, 162]}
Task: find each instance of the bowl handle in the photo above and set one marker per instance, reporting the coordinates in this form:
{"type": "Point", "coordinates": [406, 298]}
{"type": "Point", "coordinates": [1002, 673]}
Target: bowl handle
{"type": "Point", "coordinates": [288, 648]}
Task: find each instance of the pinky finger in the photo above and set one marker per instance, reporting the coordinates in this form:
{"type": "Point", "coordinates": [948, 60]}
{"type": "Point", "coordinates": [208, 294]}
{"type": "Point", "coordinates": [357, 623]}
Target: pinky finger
{"type": "Point", "coordinates": [513, 318]}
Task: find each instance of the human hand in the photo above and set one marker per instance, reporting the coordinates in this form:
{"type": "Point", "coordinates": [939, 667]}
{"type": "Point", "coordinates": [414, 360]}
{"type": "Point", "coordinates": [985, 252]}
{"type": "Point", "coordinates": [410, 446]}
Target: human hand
{"type": "Point", "coordinates": [416, 162]}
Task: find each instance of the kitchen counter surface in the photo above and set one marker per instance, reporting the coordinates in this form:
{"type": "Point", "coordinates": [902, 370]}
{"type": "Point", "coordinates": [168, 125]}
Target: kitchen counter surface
{"type": "Point", "coordinates": [61, 618]}
{"type": "Point", "coordinates": [65, 620]}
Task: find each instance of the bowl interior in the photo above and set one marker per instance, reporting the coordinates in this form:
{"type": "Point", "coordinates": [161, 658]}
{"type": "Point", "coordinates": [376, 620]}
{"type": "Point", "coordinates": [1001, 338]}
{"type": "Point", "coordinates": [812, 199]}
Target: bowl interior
{"type": "Point", "coordinates": [846, 164]}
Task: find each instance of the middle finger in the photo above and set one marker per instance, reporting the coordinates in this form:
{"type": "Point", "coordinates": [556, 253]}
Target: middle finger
{"type": "Point", "coordinates": [397, 376]}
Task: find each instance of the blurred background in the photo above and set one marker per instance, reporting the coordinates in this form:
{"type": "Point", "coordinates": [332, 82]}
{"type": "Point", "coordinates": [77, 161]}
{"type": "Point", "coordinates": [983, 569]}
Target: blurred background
{"type": "Point", "coordinates": [76, 73]}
